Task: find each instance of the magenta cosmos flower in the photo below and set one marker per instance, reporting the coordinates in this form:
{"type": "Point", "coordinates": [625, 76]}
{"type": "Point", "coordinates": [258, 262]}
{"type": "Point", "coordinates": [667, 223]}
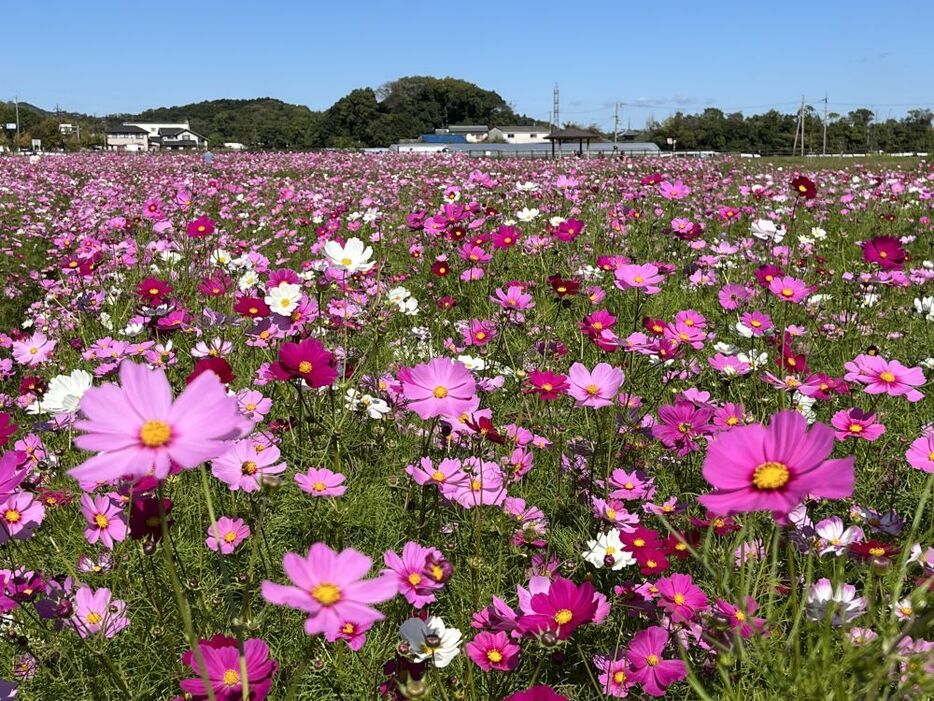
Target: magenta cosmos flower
{"type": "Point", "coordinates": [772, 468]}
{"type": "Point", "coordinates": [413, 571]}
{"type": "Point", "coordinates": [648, 667]}
{"type": "Point", "coordinates": [493, 651]}
{"type": "Point", "coordinates": [137, 429]}
{"type": "Point", "coordinates": [885, 251]}
{"type": "Point", "coordinates": [321, 482]}
{"type": "Point", "coordinates": [883, 376]}
{"type": "Point", "coordinates": [440, 387]}
{"type": "Point", "coordinates": [329, 586]}
{"type": "Point", "coordinates": [225, 534]}
{"type": "Point", "coordinates": [222, 665]}
{"type": "Point", "coordinates": [680, 597]}
{"type": "Point", "coordinates": [561, 610]}
{"type": "Point", "coordinates": [308, 360]}
{"type": "Point", "coordinates": [594, 388]}
{"type": "Point", "coordinates": [537, 693]}
{"type": "Point", "coordinates": [97, 612]}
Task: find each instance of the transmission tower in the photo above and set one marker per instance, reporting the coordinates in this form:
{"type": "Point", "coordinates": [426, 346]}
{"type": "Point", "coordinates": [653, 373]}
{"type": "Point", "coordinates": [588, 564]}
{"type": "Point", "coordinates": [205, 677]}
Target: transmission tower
{"type": "Point", "coordinates": [557, 108]}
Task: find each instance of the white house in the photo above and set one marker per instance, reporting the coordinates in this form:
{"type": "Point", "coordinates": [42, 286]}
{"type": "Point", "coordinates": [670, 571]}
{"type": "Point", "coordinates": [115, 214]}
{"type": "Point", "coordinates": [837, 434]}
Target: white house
{"type": "Point", "coordinates": [153, 136]}
{"type": "Point", "coordinates": [474, 133]}
{"type": "Point", "coordinates": [518, 135]}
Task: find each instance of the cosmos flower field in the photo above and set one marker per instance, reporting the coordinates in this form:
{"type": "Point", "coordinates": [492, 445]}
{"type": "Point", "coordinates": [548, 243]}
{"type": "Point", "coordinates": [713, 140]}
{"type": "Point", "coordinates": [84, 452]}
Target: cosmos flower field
{"type": "Point", "coordinates": [343, 426]}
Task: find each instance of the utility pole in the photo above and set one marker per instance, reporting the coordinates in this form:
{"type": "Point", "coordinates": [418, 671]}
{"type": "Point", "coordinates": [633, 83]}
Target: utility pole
{"type": "Point", "coordinates": [557, 107]}
{"type": "Point", "coordinates": [799, 128]}
{"type": "Point", "coordinates": [616, 128]}
{"type": "Point", "coordinates": [16, 102]}
{"type": "Point", "coordinates": [824, 150]}
{"type": "Point", "coordinates": [802, 126]}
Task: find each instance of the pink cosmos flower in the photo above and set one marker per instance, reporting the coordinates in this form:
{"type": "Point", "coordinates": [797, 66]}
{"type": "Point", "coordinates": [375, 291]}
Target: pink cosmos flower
{"type": "Point", "coordinates": [514, 298]}
{"type": "Point", "coordinates": [680, 597]}
{"type": "Point", "coordinates": [885, 376]}
{"type": "Point", "coordinates": [597, 388]}
{"type": "Point", "coordinates": [97, 612]}
{"type": "Point", "coordinates": [479, 333]}
{"type": "Point", "coordinates": [242, 465]}
{"type": "Point", "coordinates": [415, 582]}
{"type": "Point", "coordinates": [681, 424]}
{"type": "Point", "coordinates": [648, 667]}
{"type": "Point", "coordinates": [855, 423]}
{"type": "Point", "coordinates": [329, 586]}
{"type": "Point", "coordinates": [138, 430]}
{"type": "Point", "coordinates": [834, 538]}
{"type": "Point", "coordinates": [308, 360]}
{"type": "Point", "coordinates": [34, 350]}
{"type": "Point", "coordinates": [106, 520]}
{"type": "Point", "coordinates": [482, 485]}
{"type": "Point", "coordinates": [789, 289]}
{"type": "Point", "coordinates": [614, 676]}
{"type": "Point", "coordinates": [20, 515]}
{"type": "Point", "coordinates": [447, 471]}
{"type": "Point", "coordinates": [253, 405]}
{"type": "Point", "coordinates": [773, 468]}
{"type": "Point", "coordinates": [536, 693]}
{"type": "Point", "coordinates": [741, 619]}
{"type": "Point", "coordinates": [493, 651]}
{"type": "Point", "coordinates": [920, 454]}
{"type": "Point", "coordinates": [440, 387]}
{"type": "Point", "coordinates": [643, 277]}
{"type": "Point", "coordinates": [673, 191]}
{"type": "Point", "coordinates": [221, 657]}
{"type": "Point", "coordinates": [321, 482]}
{"type": "Point", "coordinates": [547, 385]}
{"type": "Point", "coordinates": [225, 534]}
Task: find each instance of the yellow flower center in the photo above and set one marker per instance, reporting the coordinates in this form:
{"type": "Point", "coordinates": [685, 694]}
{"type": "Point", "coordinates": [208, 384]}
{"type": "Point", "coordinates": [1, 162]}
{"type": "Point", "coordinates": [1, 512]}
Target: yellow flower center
{"type": "Point", "coordinates": [101, 521]}
{"type": "Point", "coordinates": [679, 599]}
{"type": "Point", "coordinates": [877, 552]}
{"type": "Point", "coordinates": [415, 579]}
{"type": "Point", "coordinates": [480, 335]}
{"type": "Point", "coordinates": [563, 616]}
{"type": "Point", "coordinates": [652, 660]}
{"type": "Point", "coordinates": [153, 290]}
{"type": "Point", "coordinates": [230, 537]}
{"type": "Point", "coordinates": [548, 386]}
{"type": "Point", "coordinates": [346, 261]}
{"type": "Point", "coordinates": [347, 629]}
{"type": "Point", "coordinates": [248, 468]}
{"type": "Point", "coordinates": [440, 392]}
{"type": "Point", "coordinates": [732, 421]}
{"type": "Point", "coordinates": [755, 323]}
{"type": "Point", "coordinates": [155, 433]}
{"type": "Point", "coordinates": [305, 367]}
{"type": "Point", "coordinates": [739, 616]}
{"type": "Point", "coordinates": [619, 677]}
{"type": "Point", "coordinates": [592, 390]}
{"type": "Point", "coordinates": [856, 428]}
{"type": "Point", "coordinates": [93, 618]}
{"type": "Point", "coordinates": [230, 677]}
{"type": "Point", "coordinates": [788, 292]}
{"type": "Point", "coordinates": [771, 475]}
{"type": "Point", "coordinates": [326, 593]}
{"type": "Point", "coordinates": [12, 516]}
{"type": "Point", "coordinates": [611, 513]}
{"type": "Point", "coordinates": [639, 278]}
{"type": "Point", "coordinates": [639, 542]}
{"type": "Point", "coordinates": [475, 485]}
{"type": "Point", "coordinates": [887, 377]}
{"type": "Point", "coordinates": [494, 656]}
{"type": "Point", "coordinates": [438, 476]}
{"type": "Point", "coordinates": [610, 550]}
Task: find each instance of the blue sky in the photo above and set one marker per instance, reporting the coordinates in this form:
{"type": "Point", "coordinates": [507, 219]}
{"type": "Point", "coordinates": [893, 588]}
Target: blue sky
{"type": "Point", "coordinates": [106, 57]}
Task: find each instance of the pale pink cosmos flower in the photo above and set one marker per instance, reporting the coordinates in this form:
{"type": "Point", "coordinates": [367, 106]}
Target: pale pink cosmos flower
{"type": "Point", "coordinates": [920, 455]}
{"type": "Point", "coordinates": [96, 611]}
{"type": "Point", "coordinates": [594, 388]}
{"type": "Point", "coordinates": [242, 465]}
{"type": "Point", "coordinates": [34, 350]}
{"type": "Point", "coordinates": [789, 289]}
{"type": "Point", "coordinates": [440, 387]}
{"type": "Point", "coordinates": [106, 520]}
{"type": "Point", "coordinates": [883, 376]}
{"type": "Point", "coordinates": [855, 423]}
{"type": "Point", "coordinates": [321, 482]}
{"type": "Point", "coordinates": [330, 588]}
{"type": "Point", "coordinates": [834, 538]}
{"type": "Point", "coordinates": [137, 429]}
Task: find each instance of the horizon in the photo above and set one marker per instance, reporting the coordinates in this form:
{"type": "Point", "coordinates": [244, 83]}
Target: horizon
{"type": "Point", "coordinates": [302, 65]}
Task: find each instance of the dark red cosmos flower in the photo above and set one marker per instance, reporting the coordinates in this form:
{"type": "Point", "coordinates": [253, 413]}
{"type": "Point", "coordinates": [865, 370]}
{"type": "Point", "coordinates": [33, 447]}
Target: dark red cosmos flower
{"type": "Point", "coordinates": [440, 268]}
{"type": "Point", "coordinates": [656, 327]}
{"type": "Point", "coordinates": [722, 525]}
{"type": "Point", "coordinates": [652, 179]}
{"type": "Point", "coordinates": [446, 302]}
{"type": "Point", "coordinates": [766, 273]}
{"type": "Point", "coordinates": [200, 227]}
{"type": "Point", "coordinates": [54, 498]}
{"type": "Point", "coordinates": [875, 551]}
{"type": "Point", "coordinates": [884, 251]}
{"type": "Point", "coordinates": [804, 187]}
{"type": "Point", "coordinates": [678, 547]}
{"type": "Point", "coordinates": [7, 428]}
{"type": "Point", "coordinates": [485, 429]}
{"type": "Point", "coordinates": [252, 307]}
{"type": "Point", "coordinates": [563, 287]}
{"type": "Point", "coordinates": [308, 360]}
{"type": "Point", "coordinates": [145, 519]}
{"type": "Point", "coordinates": [641, 538]}
{"type": "Point", "coordinates": [790, 361]}
{"type": "Point", "coordinates": [215, 284]}
{"type": "Point", "coordinates": [153, 290]}
{"type": "Point", "coordinates": [32, 385]}
{"type": "Point", "coordinates": [651, 561]}
{"type": "Point", "coordinates": [218, 366]}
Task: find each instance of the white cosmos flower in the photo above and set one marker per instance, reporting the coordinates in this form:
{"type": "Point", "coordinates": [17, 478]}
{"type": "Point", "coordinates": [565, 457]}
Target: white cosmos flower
{"type": "Point", "coordinates": [221, 258]}
{"type": "Point", "coordinates": [444, 641]}
{"type": "Point", "coordinates": [284, 298]}
{"type": "Point", "coordinates": [726, 348]}
{"type": "Point", "coordinates": [527, 186]}
{"type": "Point", "coordinates": [397, 295]}
{"type": "Point", "coordinates": [842, 601]}
{"type": "Point", "coordinates": [925, 307]}
{"type": "Point", "coordinates": [766, 230]}
{"type": "Point", "coordinates": [818, 233]}
{"type": "Point", "coordinates": [248, 279]}
{"type": "Point", "coordinates": [526, 215]}
{"type": "Point", "coordinates": [556, 221]}
{"type": "Point", "coordinates": [64, 394]}
{"type": "Point", "coordinates": [353, 256]}
{"type": "Point", "coordinates": [752, 359]}
{"type": "Point", "coordinates": [133, 329]}
{"type": "Point", "coordinates": [409, 306]}
{"type": "Point", "coordinates": [471, 363]}
{"type": "Point", "coordinates": [608, 547]}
